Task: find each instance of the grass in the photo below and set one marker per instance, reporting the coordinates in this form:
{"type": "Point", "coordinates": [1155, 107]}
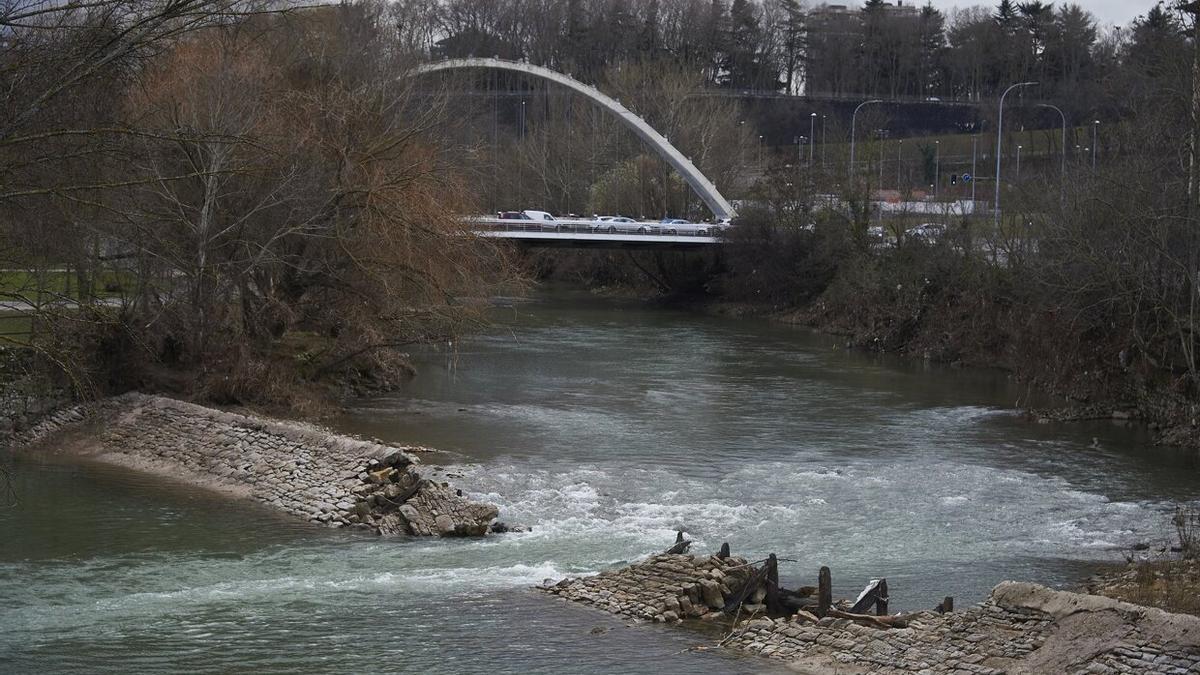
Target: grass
{"type": "Point", "coordinates": [15, 327]}
{"type": "Point", "coordinates": [1043, 145]}
{"type": "Point", "coordinates": [1172, 585]}
{"type": "Point", "coordinates": [56, 284]}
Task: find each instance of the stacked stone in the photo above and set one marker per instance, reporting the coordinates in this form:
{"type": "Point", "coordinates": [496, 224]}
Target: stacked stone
{"type": "Point", "coordinates": [984, 640]}
{"type": "Point", "coordinates": [1021, 628]}
{"type": "Point", "coordinates": [301, 470]}
{"type": "Point", "coordinates": [664, 588]}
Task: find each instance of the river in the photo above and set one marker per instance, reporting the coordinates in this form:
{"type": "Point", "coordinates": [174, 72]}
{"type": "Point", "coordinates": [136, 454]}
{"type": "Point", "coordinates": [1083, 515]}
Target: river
{"type": "Point", "coordinates": [605, 426]}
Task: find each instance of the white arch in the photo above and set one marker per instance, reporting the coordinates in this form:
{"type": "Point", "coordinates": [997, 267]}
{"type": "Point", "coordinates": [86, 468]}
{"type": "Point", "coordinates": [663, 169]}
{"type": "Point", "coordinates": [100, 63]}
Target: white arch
{"type": "Point", "coordinates": [703, 187]}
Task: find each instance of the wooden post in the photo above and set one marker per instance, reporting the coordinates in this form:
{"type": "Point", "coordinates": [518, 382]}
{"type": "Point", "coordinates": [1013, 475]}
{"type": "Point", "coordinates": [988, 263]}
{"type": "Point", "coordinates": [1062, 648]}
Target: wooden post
{"type": "Point", "coordinates": [724, 552]}
{"type": "Point", "coordinates": [881, 600]}
{"type": "Point", "coordinates": [948, 604]}
{"type": "Point", "coordinates": [774, 606]}
{"type": "Point", "coordinates": [824, 592]}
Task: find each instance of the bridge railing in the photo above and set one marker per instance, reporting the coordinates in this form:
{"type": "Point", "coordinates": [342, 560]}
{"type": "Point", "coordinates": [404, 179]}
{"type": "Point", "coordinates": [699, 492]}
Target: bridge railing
{"type": "Point", "coordinates": [589, 226]}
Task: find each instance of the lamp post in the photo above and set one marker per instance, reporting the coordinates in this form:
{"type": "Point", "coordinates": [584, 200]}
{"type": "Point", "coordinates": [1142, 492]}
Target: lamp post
{"type": "Point", "coordinates": [899, 160]}
{"type": "Point", "coordinates": [853, 123]}
{"type": "Point", "coordinates": [974, 163]}
{"type": "Point", "coordinates": [823, 139]}
{"type": "Point", "coordinates": [760, 149]}
{"type": "Point", "coordinates": [1000, 146]}
{"type": "Point", "coordinates": [1019, 161]}
{"type": "Point", "coordinates": [880, 134]}
{"type": "Point", "coordinates": [1095, 141]}
{"type": "Point", "coordinates": [1063, 169]}
{"type": "Point", "coordinates": [812, 133]}
{"type": "Point", "coordinates": [937, 168]}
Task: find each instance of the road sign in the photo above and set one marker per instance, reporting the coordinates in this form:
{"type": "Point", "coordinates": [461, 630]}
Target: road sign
{"type": "Point", "coordinates": [967, 177]}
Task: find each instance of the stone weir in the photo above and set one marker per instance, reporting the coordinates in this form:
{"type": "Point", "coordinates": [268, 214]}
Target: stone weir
{"type": "Point", "coordinates": [299, 469]}
{"type": "Point", "coordinates": [667, 588]}
{"type": "Point", "coordinates": [1020, 629]}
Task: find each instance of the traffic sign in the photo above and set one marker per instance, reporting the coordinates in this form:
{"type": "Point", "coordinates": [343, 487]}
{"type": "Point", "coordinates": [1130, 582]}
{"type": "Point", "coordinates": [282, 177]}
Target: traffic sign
{"type": "Point", "coordinates": [967, 178]}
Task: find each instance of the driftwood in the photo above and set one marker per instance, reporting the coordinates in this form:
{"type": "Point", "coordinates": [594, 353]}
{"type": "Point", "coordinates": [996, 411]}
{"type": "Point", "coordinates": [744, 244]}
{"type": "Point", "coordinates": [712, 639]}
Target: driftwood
{"type": "Point", "coordinates": [739, 598]}
{"type": "Point", "coordinates": [894, 621]}
{"type": "Point", "coordinates": [773, 600]}
{"type": "Point", "coordinates": [875, 594]}
{"type": "Point", "coordinates": [824, 592]}
{"type": "Point", "coordinates": [681, 545]}
{"type": "Point", "coordinates": [802, 615]}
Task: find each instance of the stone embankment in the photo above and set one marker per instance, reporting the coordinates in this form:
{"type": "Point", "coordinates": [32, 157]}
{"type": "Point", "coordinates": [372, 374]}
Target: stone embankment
{"type": "Point", "coordinates": [1020, 629]}
{"type": "Point", "coordinates": [665, 588]}
{"type": "Point", "coordinates": [301, 470]}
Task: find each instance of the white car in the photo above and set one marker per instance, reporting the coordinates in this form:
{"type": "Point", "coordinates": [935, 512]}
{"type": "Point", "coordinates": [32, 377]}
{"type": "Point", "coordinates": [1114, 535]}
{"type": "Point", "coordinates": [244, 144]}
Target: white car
{"type": "Point", "coordinates": [545, 219]}
{"type": "Point", "coordinates": [926, 232]}
{"type": "Point", "coordinates": [615, 224]}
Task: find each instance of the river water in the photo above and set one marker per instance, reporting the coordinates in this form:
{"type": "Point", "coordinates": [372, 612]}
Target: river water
{"type": "Point", "coordinates": [605, 426]}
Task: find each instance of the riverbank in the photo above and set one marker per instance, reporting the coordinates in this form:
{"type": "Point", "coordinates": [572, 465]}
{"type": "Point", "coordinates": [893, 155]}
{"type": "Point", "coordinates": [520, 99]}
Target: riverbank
{"type": "Point", "coordinates": [298, 469]}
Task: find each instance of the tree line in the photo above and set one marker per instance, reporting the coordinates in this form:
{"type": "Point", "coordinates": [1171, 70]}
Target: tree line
{"type": "Point", "coordinates": [873, 49]}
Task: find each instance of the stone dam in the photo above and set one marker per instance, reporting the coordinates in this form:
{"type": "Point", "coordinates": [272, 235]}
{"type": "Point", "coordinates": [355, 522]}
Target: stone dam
{"type": "Point", "coordinates": [1020, 629]}
{"type": "Point", "coordinates": [299, 469]}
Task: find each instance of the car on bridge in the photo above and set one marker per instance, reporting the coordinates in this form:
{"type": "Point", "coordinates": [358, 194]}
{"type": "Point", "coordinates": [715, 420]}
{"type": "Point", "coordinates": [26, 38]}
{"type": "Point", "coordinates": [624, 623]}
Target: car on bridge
{"type": "Point", "coordinates": [615, 224]}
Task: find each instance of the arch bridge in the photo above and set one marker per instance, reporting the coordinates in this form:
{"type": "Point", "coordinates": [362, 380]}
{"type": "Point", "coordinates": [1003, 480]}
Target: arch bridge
{"type": "Point", "coordinates": [703, 187]}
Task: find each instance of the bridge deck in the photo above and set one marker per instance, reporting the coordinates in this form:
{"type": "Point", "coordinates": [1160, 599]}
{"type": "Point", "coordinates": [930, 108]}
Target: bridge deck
{"type": "Point", "coordinates": [602, 239]}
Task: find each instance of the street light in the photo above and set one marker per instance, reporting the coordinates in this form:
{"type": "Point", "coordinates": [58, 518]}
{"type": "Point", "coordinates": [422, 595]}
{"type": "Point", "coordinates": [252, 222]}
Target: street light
{"type": "Point", "coordinates": [974, 164]}
{"type": "Point", "coordinates": [812, 133]}
{"type": "Point", "coordinates": [1062, 172]}
{"type": "Point", "coordinates": [1000, 146]}
{"type": "Point", "coordinates": [760, 149]}
{"type": "Point", "coordinates": [853, 123]}
{"type": "Point", "coordinates": [1095, 141]}
{"type": "Point", "coordinates": [1019, 161]}
{"type": "Point", "coordinates": [899, 159]}
{"type": "Point", "coordinates": [823, 138]}
{"type": "Point", "coordinates": [937, 167]}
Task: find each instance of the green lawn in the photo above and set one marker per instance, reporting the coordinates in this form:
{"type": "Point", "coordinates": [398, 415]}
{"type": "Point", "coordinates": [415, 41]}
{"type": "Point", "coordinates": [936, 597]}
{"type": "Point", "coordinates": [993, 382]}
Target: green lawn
{"type": "Point", "coordinates": [56, 283]}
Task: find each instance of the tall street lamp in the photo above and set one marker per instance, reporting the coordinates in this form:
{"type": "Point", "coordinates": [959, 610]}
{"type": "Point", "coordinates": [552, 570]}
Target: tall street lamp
{"type": "Point", "coordinates": [853, 123]}
{"type": "Point", "coordinates": [1000, 147]}
{"type": "Point", "coordinates": [1019, 161]}
{"type": "Point", "coordinates": [974, 164]}
{"type": "Point", "coordinates": [1063, 169]}
{"type": "Point", "coordinates": [899, 161]}
{"type": "Point", "coordinates": [1095, 141]}
{"type": "Point", "coordinates": [812, 133]}
{"type": "Point", "coordinates": [823, 139]}
{"type": "Point", "coordinates": [937, 167]}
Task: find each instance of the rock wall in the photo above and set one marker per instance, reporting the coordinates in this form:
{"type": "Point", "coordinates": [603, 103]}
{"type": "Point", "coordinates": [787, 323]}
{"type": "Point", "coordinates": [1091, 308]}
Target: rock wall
{"type": "Point", "coordinates": [301, 470]}
{"type": "Point", "coordinates": [667, 587]}
{"type": "Point", "coordinates": [1022, 629]}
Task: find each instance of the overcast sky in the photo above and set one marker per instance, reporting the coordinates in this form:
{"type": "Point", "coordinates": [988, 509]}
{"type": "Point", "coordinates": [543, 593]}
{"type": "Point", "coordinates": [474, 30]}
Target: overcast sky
{"type": "Point", "coordinates": [1119, 12]}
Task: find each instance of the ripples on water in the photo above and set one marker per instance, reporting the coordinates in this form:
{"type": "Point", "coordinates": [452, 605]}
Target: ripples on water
{"type": "Point", "coordinates": [605, 428]}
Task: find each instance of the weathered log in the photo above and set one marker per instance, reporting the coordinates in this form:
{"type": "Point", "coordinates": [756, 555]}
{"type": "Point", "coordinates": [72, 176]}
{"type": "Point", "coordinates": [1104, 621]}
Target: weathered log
{"type": "Point", "coordinates": [824, 592]}
{"type": "Point", "coordinates": [881, 602]}
{"type": "Point", "coordinates": [947, 605]}
{"type": "Point", "coordinates": [897, 621]}
{"type": "Point", "coordinates": [739, 597]}
{"type": "Point", "coordinates": [774, 604]}
{"type": "Point", "coordinates": [802, 615]}
{"type": "Point", "coordinates": [681, 545]}
{"type": "Point", "coordinates": [867, 598]}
